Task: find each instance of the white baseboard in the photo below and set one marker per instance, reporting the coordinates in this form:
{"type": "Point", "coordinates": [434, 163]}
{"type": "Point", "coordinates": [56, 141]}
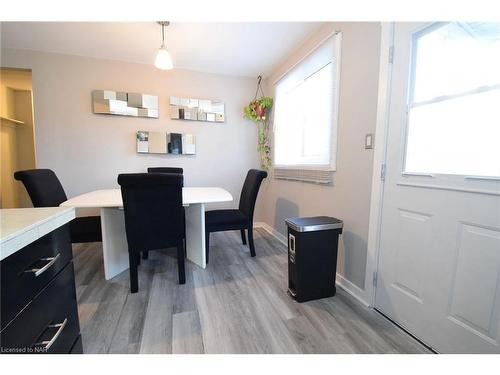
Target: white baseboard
{"type": "Point", "coordinates": [273, 232]}
{"type": "Point", "coordinates": [353, 290]}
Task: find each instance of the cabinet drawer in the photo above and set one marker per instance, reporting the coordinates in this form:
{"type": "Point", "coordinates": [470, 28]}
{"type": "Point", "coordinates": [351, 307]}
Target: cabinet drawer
{"type": "Point", "coordinates": [49, 324]}
{"type": "Point", "coordinates": [25, 273]}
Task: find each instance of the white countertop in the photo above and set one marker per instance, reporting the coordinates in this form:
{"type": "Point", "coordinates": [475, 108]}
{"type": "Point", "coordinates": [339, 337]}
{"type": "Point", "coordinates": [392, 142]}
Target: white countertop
{"type": "Point", "coordinates": [21, 226]}
{"type": "Point", "coordinates": [113, 197]}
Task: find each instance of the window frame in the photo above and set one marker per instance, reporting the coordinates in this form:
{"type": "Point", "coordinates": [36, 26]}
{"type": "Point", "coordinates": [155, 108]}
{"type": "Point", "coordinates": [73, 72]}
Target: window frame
{"type": "Point", "coordinates": [332, 165]}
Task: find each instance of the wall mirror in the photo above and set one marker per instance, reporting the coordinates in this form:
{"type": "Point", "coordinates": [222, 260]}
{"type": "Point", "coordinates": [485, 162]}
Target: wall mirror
{"type": "Point", "coordinates": [196, 109]}
{"type": "Point", "coordinates": [110, 102]}
{"type": "Point", "coordinates": [165, 143]}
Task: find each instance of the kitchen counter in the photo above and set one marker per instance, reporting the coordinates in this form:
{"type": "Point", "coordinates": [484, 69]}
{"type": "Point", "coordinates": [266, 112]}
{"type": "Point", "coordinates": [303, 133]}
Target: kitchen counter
{"type": "Point", "coordinates": [22, 226]}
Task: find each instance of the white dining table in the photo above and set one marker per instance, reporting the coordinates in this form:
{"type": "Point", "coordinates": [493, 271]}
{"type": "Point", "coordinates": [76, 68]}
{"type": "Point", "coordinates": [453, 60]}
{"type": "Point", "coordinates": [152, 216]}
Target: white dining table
{"type": "Point", "coordinates": [114, 240]}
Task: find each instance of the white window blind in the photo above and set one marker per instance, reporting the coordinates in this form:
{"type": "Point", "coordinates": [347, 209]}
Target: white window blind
{"type": "Point", "coordinates": [305, 115]}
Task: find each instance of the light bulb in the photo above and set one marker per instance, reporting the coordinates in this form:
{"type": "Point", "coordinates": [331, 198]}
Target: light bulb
{"type": "Point", "coordinates": [163, 60]}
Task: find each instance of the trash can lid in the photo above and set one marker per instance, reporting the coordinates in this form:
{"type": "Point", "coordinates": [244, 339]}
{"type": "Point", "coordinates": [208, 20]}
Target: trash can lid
{"type": "Point", "coordinates": [316, 223]}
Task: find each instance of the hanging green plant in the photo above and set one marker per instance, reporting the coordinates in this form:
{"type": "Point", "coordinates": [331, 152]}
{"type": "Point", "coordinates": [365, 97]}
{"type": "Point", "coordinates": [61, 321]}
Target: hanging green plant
{"type": "Point", "coordinates": [257, 111]}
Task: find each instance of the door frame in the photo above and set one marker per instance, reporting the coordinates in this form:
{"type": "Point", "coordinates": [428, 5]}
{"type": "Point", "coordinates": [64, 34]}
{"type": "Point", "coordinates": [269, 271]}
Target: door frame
{"type": "Point", "coordinates": [379, 159]}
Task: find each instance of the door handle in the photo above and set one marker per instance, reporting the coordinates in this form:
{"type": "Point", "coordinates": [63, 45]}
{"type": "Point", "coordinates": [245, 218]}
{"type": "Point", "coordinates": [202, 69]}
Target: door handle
{"type": "Point", "coordinates": [39, 271]}
{"type": "Point", "coordinates": [50, 342]}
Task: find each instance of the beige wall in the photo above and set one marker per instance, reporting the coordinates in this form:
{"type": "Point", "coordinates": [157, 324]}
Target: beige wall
{"type": "Point", "coordinates": [88, 151]}
{"type": "Point", "coordinates": [8, 148]}
{"type": "Point", "coordinates": [6, 99]}
{"type": "Point", "coordinates": [25, 140]}
{"type": "Point", "coordinates": [349, 196]}
{"type": "Point", "coordinates": [9, 196]}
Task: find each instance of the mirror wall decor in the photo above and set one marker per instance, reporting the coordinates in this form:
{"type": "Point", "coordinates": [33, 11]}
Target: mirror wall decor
{"type": "Point", "coordinates": [124, 103]}
{"type": "Point", "coordinates": [196, 109]}
{"type": "Point", "coordinates": [165, 143]}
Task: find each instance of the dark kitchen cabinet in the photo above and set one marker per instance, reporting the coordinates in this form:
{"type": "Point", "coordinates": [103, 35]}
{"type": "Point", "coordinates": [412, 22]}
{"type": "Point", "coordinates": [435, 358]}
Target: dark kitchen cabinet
{"type": "Point", "coordinates": [39, 311]}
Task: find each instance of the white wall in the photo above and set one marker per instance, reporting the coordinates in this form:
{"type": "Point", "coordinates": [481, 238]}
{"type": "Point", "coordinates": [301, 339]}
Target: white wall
{"type": "Point", "coordinates": [349, 196]}
{"type": "Point", "coordinates": [88, 151]}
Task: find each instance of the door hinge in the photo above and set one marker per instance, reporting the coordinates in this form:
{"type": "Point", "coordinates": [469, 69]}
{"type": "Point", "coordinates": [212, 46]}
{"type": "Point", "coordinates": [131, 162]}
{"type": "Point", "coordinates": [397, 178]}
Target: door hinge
{"type": "Point", "coordinates": [391, 54]}
{"type": "Point", "coordinates": [375, 279]}
{"type": "Point", "coordinates": [382, 172]}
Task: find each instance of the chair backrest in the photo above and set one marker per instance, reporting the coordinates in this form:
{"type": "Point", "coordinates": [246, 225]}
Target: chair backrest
{"type": "Point", "coordinates": [154, 215]}
{"type": "Point", "coordinates": [165, 170]}
{"type": "Point", "coordinates": [43, 187]}
{"type": "Point", "coordinates": [250, 190]}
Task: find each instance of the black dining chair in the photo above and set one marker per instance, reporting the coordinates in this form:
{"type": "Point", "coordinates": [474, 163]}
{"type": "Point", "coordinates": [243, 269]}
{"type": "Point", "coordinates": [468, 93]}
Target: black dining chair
{"type": "Point", "coordinates": [237, 219]}
{"type": "Point", "coordinates": [45, 190]}
{"type": "Point", "coordinates": [165, 170]}
{"type": "Point", "coordinates": [174, 170]}
{"type": "Point", "coordinates": [154, 217]}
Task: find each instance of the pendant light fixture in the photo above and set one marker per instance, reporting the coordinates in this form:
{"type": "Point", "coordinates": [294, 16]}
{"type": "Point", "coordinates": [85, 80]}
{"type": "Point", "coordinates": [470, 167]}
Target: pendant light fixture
{"type": "Point", "coordinates": [163, 60]}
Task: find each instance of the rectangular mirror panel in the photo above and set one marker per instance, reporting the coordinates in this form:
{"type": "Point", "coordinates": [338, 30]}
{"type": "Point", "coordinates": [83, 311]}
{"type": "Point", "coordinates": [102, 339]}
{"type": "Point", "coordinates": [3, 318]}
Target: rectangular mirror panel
{"type": "Point", "coordinates": [110, 102]}
{"type": "Point", "coordinates": [157, 143]}
{"type": "Point", "coordinates": [142, 142]}
{"type": "Point", "coordinates": [165, 143]}
{"type": "Point", "coordinates": [196, 109]}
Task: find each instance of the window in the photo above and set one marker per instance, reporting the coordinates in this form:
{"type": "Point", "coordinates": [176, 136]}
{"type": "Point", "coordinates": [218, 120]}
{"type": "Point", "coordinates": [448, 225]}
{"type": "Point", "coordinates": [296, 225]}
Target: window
{"type": "Point", "coordinates": [454, 100]}
{"type": "Point", "coordinates": [305, 114]}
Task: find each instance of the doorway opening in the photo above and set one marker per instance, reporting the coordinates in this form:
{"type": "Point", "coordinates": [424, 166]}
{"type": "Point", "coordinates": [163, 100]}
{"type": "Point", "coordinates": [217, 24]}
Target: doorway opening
{"type": "Point", "coordinates": [17, 145]}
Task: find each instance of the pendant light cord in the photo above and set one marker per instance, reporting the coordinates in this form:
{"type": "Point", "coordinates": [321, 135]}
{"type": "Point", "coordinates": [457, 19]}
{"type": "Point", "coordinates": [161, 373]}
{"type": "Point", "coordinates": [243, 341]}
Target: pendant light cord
{"type": "Point", "coordinates": [162, 35]}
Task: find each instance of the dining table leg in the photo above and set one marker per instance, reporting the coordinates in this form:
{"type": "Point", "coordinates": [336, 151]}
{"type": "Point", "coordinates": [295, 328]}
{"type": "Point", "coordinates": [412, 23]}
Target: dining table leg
{"type": "Point", "coordinates": [195, 234]}
{"type": "Point", "coordinates": [114, 239]}
{"type": "Point", "coordinates": [114, 242]}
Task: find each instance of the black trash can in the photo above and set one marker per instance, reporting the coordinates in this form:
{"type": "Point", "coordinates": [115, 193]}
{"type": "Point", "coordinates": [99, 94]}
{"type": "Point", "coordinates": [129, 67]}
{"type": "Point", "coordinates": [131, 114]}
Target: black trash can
{"type": "Point", "coordinates": [312, 256]}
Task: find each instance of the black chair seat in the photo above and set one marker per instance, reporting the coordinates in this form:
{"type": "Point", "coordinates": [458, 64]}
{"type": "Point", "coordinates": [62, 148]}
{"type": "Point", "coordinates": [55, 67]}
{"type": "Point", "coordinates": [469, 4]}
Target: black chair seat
{"type": "Point", "coordinates": [218, 218]}
{"type": "Point", "coordinates": [86, 229]}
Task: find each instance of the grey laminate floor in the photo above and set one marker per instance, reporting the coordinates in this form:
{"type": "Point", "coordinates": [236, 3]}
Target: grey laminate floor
{"type": "Point", "coordinates": [237, 304]}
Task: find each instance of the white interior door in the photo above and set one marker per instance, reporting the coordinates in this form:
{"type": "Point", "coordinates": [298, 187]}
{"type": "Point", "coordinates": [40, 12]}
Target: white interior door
{"type": "Point", "coordinates": [439, 262]}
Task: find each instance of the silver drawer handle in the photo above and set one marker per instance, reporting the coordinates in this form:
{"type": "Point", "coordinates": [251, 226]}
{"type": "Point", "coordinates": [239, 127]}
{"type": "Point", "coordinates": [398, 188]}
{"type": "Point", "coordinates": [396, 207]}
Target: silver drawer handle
{"type": "Point", "coordinates": [39, 271]}
{"type": "Point", "coordinates": [49, 343]}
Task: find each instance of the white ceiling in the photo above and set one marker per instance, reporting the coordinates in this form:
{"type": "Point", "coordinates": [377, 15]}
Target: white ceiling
{"type": "Point", "coordinates": [242, 49]}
